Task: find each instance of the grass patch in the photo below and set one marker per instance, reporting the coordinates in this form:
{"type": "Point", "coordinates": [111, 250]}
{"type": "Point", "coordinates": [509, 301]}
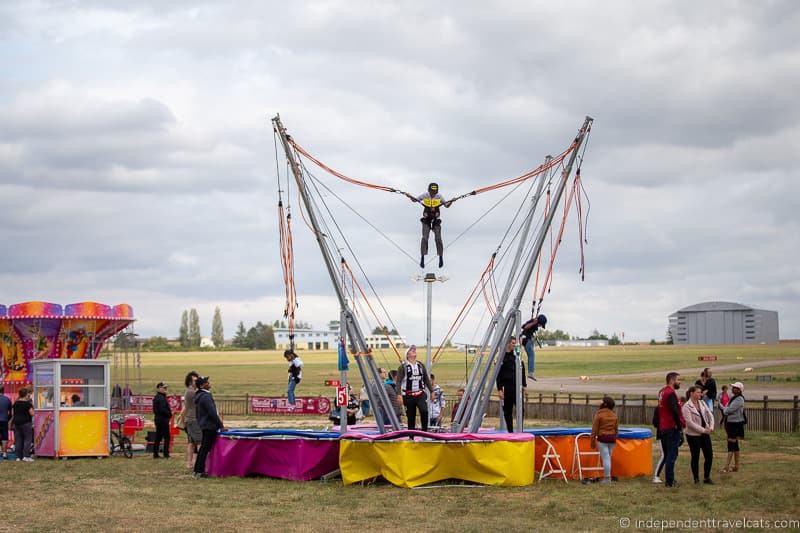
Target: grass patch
{"type": "Point", "coordinates": [142, 494]}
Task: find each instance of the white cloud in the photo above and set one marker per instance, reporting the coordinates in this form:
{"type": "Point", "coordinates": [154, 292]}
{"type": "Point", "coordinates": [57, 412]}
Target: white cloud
{"type": "Point", "coordinates": [137, 164]}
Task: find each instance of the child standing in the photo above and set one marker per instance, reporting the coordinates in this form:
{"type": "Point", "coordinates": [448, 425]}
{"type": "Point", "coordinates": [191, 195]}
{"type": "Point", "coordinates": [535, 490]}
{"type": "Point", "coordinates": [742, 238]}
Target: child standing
{"type": "Point", "coordinates": [295, 374]}
{"type": "Point", "coordinates": [436, 403]}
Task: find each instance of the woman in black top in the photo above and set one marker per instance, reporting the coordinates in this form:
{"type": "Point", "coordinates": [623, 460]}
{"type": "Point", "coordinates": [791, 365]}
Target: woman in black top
{"type": "Point", "coordinates": [22, 421]}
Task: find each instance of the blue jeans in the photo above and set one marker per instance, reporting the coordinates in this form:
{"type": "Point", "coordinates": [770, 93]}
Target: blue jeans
{"type": "Point", "coordinates": [365, 407]}
{"type": "Point", "coordinates": [290, 391]}
{"type": "Point", "coordinates": [709, 404]}
{"type": "Point", "coordinates": [606, 449]}
{"type": "Point", "coordinates": [531, 355]}
{"type": "Point", "coordinates": [670, 439]}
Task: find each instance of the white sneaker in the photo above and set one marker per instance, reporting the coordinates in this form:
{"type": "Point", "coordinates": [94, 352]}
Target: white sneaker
{"type": "Point", "coordinates": [28, 459]}
{"type": "Point", "coordinates": [657, 480]}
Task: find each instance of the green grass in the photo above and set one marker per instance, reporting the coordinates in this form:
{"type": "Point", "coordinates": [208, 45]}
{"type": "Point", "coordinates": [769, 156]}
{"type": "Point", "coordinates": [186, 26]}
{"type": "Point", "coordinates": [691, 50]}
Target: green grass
{"type": "Point", "coordinates": [264, 372]}
{"type": "Point", "coordinates": [141, 494]}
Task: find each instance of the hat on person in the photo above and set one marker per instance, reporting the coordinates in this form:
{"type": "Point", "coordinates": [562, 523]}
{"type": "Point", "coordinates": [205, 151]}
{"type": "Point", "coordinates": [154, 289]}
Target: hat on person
{"type": "Point", "coordinates": [738, 385]}
{"type": "Point", "coordinates": [201, 380]}
{"type": "Point", "coordinates": [161, 384]}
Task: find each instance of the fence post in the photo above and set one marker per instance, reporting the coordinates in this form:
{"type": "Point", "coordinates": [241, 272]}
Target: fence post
{"type": "Point", "coordinates": [796, 414]}
{"type": "Point", "coordinates": [766, 401]}
{"type": "Point", "coordinates": [571, 417]}
{"type": "Point", "coordinates": [247, 404]}
{"type": "Point", "coordinates": [625, 418]}
{"type": "Point", "coordinates": [644, 420]}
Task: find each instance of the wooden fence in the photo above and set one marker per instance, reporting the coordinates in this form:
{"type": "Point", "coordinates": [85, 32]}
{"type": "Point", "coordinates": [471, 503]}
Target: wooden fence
{"type": "Point", "coordinates": [762, 415]}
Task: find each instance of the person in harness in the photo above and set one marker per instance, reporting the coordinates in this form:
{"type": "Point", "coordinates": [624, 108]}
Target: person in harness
{"type": "Point", "coordinates": [431, 202]}
{"type": "Point", "coordinates": [528, 338]}
{"type": "Point", "coordinates": [412, 383]}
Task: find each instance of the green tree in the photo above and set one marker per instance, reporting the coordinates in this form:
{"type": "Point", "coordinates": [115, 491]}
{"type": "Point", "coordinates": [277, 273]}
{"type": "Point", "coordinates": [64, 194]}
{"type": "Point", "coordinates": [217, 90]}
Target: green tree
{"type": "Point", "coordinates": [596, 335]}
{"type": "Point", "coordinates": [217, 331]}
{"type": "Point", "coordinates": [194, 329]}
{"type": "Point", "coordinates": [260, 337]}
{"type": "Point", "coordinates": [614, 340]}
{"type": "Point", "coordinates": [183, 333]}
{"type": "Point", "coordinates": [384, 331]}
{"type": "Point", "coordinates": [653, 342]}
{"type": "Point", "coordinates": [156, 344]}
{"type": "Point", "coordinates": [240, 339]}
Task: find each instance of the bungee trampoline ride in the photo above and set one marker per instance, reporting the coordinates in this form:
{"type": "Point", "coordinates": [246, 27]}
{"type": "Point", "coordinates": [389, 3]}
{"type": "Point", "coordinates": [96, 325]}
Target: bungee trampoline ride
{"type": "Point", "coordinates": [464, 450]}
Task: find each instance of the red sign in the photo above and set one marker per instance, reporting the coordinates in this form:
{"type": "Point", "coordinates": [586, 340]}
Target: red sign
{"type": "Point", "coordinates": [143, 403]}
{"type": "Point", "coordinates": [332, 382]}
{"type": "Point", "coordinates": [707, 358]}
{"type": "Point", "coordinates": [341, 396]}
{"type": "Point", "coordinates": [303, 405]}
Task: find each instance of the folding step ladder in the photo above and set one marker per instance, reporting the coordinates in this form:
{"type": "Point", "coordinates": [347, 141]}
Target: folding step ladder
{"type": "Point", "coordinates": [577, 461]}
{"type": "Point", "coordinates": [552, 462]}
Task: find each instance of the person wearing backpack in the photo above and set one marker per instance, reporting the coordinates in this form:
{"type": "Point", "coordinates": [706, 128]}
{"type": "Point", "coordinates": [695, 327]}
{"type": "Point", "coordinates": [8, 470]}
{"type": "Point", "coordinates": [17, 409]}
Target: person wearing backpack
{"type": "Point", "coordinates": [735, 420]}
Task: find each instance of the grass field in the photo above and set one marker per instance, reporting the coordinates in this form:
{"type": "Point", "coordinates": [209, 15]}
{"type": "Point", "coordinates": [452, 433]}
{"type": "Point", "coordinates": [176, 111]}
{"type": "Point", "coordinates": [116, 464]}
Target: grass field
{"type": "Point", "coordinates": [264, 372]}
{"type": "Point", "coordinates": [141, 494]}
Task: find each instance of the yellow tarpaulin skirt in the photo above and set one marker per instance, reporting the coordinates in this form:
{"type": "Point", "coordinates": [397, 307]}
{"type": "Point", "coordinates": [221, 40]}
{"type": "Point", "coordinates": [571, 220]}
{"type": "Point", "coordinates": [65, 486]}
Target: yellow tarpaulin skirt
{"type": "Point", "coordinates": [411, 464]}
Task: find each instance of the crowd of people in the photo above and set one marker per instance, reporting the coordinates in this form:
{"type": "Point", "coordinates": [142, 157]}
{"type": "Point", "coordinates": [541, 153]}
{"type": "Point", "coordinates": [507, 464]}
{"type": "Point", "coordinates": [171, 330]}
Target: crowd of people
{"type": "Point", "coordinates": [692, 420]}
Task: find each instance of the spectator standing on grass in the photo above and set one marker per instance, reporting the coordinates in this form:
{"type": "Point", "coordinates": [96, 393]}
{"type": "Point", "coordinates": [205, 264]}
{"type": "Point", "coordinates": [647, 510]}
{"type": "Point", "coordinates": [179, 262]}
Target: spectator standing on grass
{"type": "Point", "coordinates": [162, 414]}
{"type": "Point", "coordinates": [699, 426]}
{"type": "Point", "coordinates": [735, 419]}
{"type": "Point", "coordinates": [363, 398]}
{"type": "Point", "coordinates": [22, 422]}
{"type": "Point", "coordinates": [295, 375]}
{"type": "Point", "coordinates": [412, 382]}
{"type": "Point", "coordinates": [188, 419]}
{"type": "Point", "coordinates": [670, 424]}
{"type": "Point", "coordinates": [605, 427]}
{"type": "Point", "coordinates": [507, 383]}
{"type": "Point", "coordinates": [459, 399]}
{"type": "Point", "coordinates": [5, 416]}
{"type": "Point", "coordinates": [708, 386]}
{"type": "Point", "coordinates": [436, 403]}
{"type": "Point", "coordinates": [660, 464]}
{"type": "Point", "coordinates": [209, 422]}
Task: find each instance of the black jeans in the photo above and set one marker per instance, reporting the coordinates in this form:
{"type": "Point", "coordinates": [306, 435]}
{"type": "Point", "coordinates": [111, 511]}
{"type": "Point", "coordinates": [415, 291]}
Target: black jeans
{"type": "Point", "coordinates": [671, 439]}
{"type": "Point", "coordinates": [209, 437]}
{"type": "Point", "coordinates": [697, 443]}
{"type": "Point", "coordinates": [508, 408]}
{"type": "Point", "coordinates": [413, 404]}
{"type": "Point", "coordinates": [427, 226]}
{"type": "Point", "coordinates": [162, 432]}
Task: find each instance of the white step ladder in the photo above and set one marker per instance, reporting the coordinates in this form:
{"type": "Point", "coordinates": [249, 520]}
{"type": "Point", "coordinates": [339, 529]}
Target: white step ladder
{"type": "Point", "coordinates": [552, 462]}
{"type": "Point", "coordinates": [577, 461]}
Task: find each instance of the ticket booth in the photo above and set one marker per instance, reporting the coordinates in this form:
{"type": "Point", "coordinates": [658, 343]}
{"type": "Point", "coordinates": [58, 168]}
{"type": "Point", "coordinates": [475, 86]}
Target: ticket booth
{"type": "Point", "coordinates": [71, 402]}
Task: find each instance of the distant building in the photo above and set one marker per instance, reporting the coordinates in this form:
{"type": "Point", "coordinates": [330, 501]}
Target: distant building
{"type": "Point", "coordinates": [307, 339]}
{"type": "Point", "coordinates": [206, 342]}
{"type": "Point", "coordinates": [723, 323]}
{"type": "Point", "coordinates": [380, 341]}
{"type": "Point", "coordinates": [588, 343]}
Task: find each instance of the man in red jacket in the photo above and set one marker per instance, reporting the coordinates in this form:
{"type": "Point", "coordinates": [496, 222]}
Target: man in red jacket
{"type": "Point", "coordinates": [670, 425]}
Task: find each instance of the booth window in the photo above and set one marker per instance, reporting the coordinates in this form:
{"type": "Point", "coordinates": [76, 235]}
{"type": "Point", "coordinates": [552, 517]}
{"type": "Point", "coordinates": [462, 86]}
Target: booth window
{"type": "Point", "coordinates": [83, 386]}
{"type": "Point", "coordinates": [43, 394]}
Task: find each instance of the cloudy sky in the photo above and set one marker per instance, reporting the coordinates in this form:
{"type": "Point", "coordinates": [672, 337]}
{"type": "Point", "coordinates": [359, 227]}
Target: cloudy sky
{"type": "Point", "coordinates": [137, 161]}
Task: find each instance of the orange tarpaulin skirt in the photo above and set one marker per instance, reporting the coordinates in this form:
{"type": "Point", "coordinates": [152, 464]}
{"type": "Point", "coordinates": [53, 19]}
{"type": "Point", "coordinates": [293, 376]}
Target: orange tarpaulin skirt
{"type": "Point", "coordinates": [630, 458]}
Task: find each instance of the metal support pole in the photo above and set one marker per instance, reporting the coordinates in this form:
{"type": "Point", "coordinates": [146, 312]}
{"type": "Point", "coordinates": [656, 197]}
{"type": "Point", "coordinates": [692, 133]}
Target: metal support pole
{"type": "Point", "coordinates": [343, 375]}
{"type": "Point", "coordinates": [458, 422]}
{"type": "Point", "coordinates": [526, 276]}
{"type": "Point", "coordinates": [369, 374]}
{"type": "Point", "coordinates": [518, 375]}
{"type": "Point", "coordinates": [429, 279]}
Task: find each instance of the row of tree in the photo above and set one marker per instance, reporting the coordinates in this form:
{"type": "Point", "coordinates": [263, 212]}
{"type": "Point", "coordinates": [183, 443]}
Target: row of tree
{"type": "Point", "coordinates": [189, 333]}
